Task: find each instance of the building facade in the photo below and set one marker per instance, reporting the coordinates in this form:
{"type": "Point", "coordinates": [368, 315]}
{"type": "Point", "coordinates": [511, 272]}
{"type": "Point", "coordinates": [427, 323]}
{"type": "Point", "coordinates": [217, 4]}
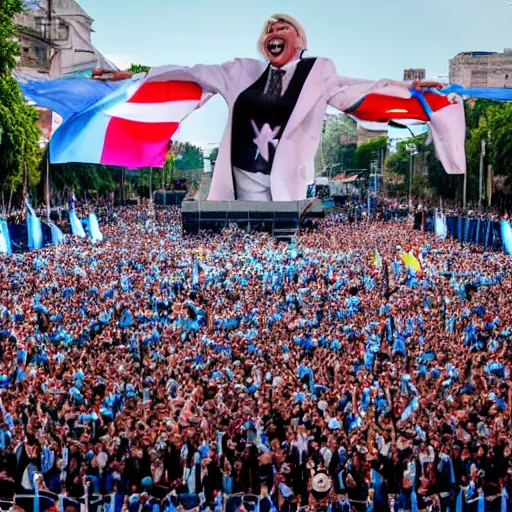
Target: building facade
{"type": "Point", "coordinates": [414, 74]}
{"type": "Point", "coordinates": [57, 45]}
{"type": "Point", "coordinates": [482, 69]}
{"type": "Point", "coordinates": [367, 131]}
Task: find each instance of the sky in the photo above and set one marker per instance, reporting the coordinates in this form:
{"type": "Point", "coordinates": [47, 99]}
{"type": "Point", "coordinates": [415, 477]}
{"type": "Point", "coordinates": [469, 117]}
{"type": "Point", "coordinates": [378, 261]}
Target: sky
{"type": "Point", "coordinates": [365, 38]}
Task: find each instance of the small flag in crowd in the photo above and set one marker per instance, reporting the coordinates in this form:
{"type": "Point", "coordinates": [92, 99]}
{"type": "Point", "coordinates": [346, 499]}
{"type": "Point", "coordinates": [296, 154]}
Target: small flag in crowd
{"type": "Point", "coordinates": [377, 260]}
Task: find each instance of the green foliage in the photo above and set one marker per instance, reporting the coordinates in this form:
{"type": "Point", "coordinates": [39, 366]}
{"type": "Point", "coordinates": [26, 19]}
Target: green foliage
{"type": "Point", "coordinates": [490, 122]}
{"type": "Point", "coordinates": [396, 171]}
{"type": "Point", "coordinates": [369, 151]}
{"type": "Point", "coordinates": [19, 146]}
{"type": "Point", "coordinates": [138, 68]}
{"type": "Point", "coordinates": [187, 156]}
{"type": "Point", "coordinates": [429, 178]}
{"type": "Point", "coordinates": [439, 181]}
{"type": "Point", "coordinates": [89, 178]}
{"type": "Point", "coordinates": [9, 48]}
{"type": "Point", "coordinates": [169, 169]}
{"type": "Point", "coordinates": [140, 179]}
{"type": "Point", "coordinates": [338, 142]}
{"type": "Point", "coordinates": [500, 143]}
{"type": "Point", "coordinates": [19, 149]}
{"type": "Point", "coordinates": [475, 110]}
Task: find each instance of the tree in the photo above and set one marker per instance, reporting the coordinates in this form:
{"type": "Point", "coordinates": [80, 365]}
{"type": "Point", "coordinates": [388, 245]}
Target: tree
{"type": "Point", "coordinates": [429, 178]}
{"type": "Point", "coordinates": [138, 68]}
{"type": "Point", "coordinates": [141, 179]}
{"type": "Point", "coordinates": [19, 151]}
{"type": "Point", "coordinates": [499, 124]}
{"type": "Point", "coordinates": [338, 141]}
{"type": "Point", "coordinates": [169, 168]}
{"type": "Point", "coordinates": [188, 156]}
{"type": "Point", "coordinates": [9, 48]}
{"type": "Point", "coordinates": [395, 172]}
{"type": "Point", "coordinates": [490, 122]}
{"type": "Point", "coordinates": [84, 178]}
{"type": "Point", "coordinates": [440, 182]}
{"type": "Point", "coordinates": [369, 151]}
{"type": "Point", "coordinates": [213, 156]}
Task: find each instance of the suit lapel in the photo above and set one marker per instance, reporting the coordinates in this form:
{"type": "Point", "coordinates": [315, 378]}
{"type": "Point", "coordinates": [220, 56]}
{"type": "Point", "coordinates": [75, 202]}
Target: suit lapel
{"type": "Point", "coordinates": [308, 96]}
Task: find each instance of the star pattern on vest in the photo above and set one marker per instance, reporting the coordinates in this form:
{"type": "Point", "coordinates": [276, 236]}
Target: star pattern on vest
{"type": "Point", "coordinates": [264, 137]}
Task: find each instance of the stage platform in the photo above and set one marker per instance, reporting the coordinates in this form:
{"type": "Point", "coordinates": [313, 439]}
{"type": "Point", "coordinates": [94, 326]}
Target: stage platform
{"type": "Point", "coordinates": [281, 219]}
{"type": "Point", "coordinates": [169, 198]}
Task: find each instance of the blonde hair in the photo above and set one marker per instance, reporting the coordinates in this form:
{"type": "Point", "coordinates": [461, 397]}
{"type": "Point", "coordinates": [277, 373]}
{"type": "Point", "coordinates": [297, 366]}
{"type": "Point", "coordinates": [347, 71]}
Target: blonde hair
{"type": "Point", "coordinates": [287, 19]}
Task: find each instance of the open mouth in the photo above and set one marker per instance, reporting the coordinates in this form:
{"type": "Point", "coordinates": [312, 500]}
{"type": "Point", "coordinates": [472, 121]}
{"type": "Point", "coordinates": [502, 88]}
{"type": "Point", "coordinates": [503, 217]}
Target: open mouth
{"type": "Point", "coordinates": [275, 47]}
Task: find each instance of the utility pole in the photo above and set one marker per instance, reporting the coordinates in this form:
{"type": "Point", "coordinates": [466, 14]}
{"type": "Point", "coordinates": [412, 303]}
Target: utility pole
{"type": "Point", "coordinates": [489, 185]}
{"type": "Point", "coordinates": [150, 184]}
{"type": "Point", "coordinates": [25, 179]}
{"type": "Point", "coordinates": [382, 170]}
{"type": "Point", "coordinates": [481, 173]}
{"type": "Point", "coordinates": [464, 192]}
{"type": "Point", "coordinates": [122, 187]}
{"type": "Point", "coordinates": [410, 181]}
{"type": "Point", "coordinates": [49, 33]}
{"type": "Point", "coordinates": [375, 177]}
{"type": "Point", "coordinates": [412, 149]}
{"type": "Point", "coordinates": [368, 191]}
{"type": "Point", "coordinates": [47, 183]}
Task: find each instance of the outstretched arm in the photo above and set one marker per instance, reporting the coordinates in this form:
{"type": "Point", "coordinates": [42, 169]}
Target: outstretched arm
{"type": "Point", "coordinates": [345, 92]}
{"type": "Point", "coordinates": [213, 78]}
{"type": "Point", "coordinates": [387, 100]}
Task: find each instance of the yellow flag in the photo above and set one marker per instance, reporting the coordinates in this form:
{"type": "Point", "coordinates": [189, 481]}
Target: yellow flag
{"type": "Point", "coordinates": [411, 262]}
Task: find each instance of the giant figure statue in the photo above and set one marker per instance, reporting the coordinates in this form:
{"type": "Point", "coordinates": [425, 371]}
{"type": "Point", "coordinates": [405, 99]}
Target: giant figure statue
{"type": "Point", "coordinates": [276, 110]}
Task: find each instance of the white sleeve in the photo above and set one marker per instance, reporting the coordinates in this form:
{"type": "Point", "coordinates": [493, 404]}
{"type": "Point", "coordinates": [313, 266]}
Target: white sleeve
{"type": "Point", "coordinates": [213, 78]}
{"type": "Point", "coordinates": [344, 92]}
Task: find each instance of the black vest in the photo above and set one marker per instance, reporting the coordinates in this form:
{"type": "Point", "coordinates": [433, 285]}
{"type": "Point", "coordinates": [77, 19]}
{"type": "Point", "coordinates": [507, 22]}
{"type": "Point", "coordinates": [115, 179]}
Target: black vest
{"type": "Point", "coordinates": [254, 105]}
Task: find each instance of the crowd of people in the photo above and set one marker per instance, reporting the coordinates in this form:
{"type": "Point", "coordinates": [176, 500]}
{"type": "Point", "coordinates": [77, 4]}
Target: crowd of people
{"type": "Point", "coordinates": [162, 372]}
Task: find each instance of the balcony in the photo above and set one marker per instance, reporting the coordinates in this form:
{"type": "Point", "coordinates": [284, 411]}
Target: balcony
{"type": "Point", "coordinates": [58, 34]}
{"type": "Point", "coordinates": [31, 61]}
{"type": "Point", "coordinates": [25, 21]}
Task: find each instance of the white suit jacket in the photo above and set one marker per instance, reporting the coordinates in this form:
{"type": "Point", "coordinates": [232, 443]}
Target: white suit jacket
{"type": "Point", "coordinates": [293, 166]}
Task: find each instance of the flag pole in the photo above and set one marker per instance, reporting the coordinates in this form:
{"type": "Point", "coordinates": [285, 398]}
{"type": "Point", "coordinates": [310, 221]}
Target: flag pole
{"type": "Point", "coordinates": [464, 191]}
{"type": "Point", "coordinates": [150, 185]}
{"type": "Point", "coordinates": [47, 182]}
{"type": "Point", "coordinates": [481, 173]}
{"type": "Point", "coordinates": [25, 179]}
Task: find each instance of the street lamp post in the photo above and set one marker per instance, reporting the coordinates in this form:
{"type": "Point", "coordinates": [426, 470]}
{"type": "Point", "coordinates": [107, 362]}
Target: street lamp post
{"type": "Point", "coordinates": [412, 152]}
{"type": "Point", "coordinates": [47, 185]}
{"type": "Point", "coordinates": [330, 170]}
{"type": "Point", "coordinates": [151, 184]}
{"type": "Point", "coordinates": [464, 191]}
{"type": "Point", "coordinates": [372, 168]}
{"type": "Point", "coordinates": [481, 173]}
{"type": "Point", "coordinates": [410, 181]}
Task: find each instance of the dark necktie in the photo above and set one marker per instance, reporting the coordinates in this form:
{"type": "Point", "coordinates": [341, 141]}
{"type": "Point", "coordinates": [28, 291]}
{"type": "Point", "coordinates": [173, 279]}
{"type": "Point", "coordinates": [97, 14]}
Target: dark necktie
{"type": "Point", "coordinates": [275, 82]}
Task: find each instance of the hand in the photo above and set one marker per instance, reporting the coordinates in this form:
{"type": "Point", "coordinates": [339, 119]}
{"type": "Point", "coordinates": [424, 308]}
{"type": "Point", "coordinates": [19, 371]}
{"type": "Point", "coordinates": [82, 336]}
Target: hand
{"type": "Point", "coordinates": [112, 76]}
{"type": "Point", "coordinates": [422, 85]}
